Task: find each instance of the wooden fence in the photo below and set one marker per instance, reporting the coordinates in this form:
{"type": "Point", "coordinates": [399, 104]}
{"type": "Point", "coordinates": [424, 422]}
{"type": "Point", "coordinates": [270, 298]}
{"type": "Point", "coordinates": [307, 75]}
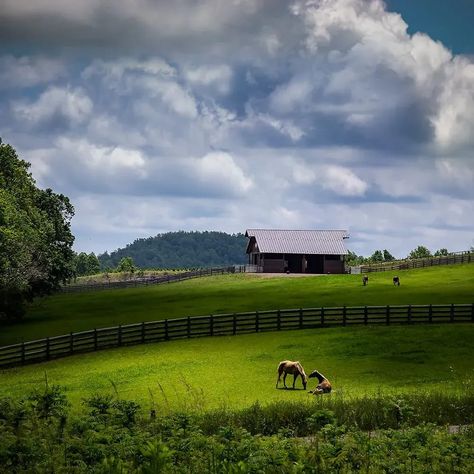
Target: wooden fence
{"type": "Point", "coordinates": [452, 258]}
{"type": "Point", "coordinates": [229, 324]}
{"type": "Point", "coordinates": [145, 281]}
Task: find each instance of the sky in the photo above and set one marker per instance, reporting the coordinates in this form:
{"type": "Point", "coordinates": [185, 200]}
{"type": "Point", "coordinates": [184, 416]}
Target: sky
{"type": "Point", "coordinates": [157, 116]}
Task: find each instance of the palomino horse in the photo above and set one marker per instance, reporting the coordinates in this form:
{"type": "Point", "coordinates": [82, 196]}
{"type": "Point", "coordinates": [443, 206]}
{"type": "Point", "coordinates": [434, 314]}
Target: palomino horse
{"type": "Point", "coordinates": [324, 386]}
{"type": "Point", "coordinates": [289, 367]}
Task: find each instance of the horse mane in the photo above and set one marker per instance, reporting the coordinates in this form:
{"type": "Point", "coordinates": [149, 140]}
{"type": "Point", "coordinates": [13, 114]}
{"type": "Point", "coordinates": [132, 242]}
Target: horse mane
{"type": "Point", "coordinates": [300, 368]}
{"type": "Point", "coordinates": [319, 376]}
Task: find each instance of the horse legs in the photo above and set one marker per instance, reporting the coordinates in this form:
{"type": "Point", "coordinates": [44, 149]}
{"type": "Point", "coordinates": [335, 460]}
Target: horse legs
{"type": "Point", "coordinates": [284, 380]}
{"type": "Point", "coordinates": [279, 377]}
{"type": "Point", "coordinates": [294, 380]}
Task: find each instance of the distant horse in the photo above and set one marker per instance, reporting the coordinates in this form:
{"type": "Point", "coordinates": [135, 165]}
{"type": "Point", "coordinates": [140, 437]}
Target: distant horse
{"type": "Point", "coordinates": [324, 386]}
{"type": "Point", "coordinates": [365, 280]}
{"type": "Point", "coordinates": [289, 367]}
{"type": "Point", "coordinates": [396, 281]}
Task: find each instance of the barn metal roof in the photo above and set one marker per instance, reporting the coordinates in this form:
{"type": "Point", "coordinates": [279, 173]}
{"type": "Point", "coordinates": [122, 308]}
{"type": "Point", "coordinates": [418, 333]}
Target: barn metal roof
{"type": "Point", "coordinates": [309, 242]}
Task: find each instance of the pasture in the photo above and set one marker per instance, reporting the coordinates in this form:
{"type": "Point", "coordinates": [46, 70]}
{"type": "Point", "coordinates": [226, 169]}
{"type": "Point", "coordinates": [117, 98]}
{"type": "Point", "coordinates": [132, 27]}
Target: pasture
{"type": "Point", "coordinates": [233, 372]}
{"type": "Point", "coordinates": [64, 313]}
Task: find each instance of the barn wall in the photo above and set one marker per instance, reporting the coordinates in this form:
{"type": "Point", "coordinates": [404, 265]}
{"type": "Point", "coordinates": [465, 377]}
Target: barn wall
{"type": "Point", "coordinates": [273, 265]}
{"type": "Point", "coordinates": [332, 265]}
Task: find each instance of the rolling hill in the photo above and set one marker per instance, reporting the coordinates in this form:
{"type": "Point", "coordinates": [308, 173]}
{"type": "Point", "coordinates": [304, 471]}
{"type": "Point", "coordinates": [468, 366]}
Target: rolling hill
{"type": "Point", "coordinates": [181, 250]}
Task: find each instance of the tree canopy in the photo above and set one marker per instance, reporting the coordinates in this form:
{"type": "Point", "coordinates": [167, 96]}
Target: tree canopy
{"type": "Point", "coordinates": [181, 250]}
{"type": "Point", "coordinates": [35, 236]}
{"type": "Point", "coordinates": [420, 252]}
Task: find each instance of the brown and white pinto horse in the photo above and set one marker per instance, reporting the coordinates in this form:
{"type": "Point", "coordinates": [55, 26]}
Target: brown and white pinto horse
{"type": "Point", "coordinates": [291, 367]}
{"type": "Point", "coordinates": [324, 386]}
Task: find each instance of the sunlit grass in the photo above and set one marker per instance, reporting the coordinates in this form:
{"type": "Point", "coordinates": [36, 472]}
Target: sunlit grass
{"type": "Point", "coordinates": [237, 371]}
{"type": "Point", "coordinates": [229, 293]}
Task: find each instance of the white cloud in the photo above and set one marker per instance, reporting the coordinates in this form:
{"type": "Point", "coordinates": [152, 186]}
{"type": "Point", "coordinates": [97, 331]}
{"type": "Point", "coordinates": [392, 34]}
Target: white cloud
{"type": "Point", "coordinates": [220, 169]}
{"type": "Point", "coordinates": [153, 77]}
{"type": "Point", "coordinates": [218, 77]}
{"type": "Point", "coordinates": [65, 104]}
{"type": "Point", "coordinates": [111, 72]}
{"type": "Point", "coordinates": [343, 181]}
{"type": "Point", "coordinates": [454, 120]}
{"type": "Point", "coordinates": [25, 71]}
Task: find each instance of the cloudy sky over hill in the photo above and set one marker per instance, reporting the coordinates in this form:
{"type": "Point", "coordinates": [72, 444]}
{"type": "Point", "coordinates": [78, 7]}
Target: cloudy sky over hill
{"type": "Point", "coordinates": [221, 115]}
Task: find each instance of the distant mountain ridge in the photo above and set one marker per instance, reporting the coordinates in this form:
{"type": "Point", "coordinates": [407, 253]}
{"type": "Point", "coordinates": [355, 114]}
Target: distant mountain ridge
{"type": "Point", "coordinates": [181, 249]}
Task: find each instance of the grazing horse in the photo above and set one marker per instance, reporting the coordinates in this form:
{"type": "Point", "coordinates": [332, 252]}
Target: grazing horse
{"type": "Point", "coordinates": [396, 281]}
{"type": "Point", "coordinates": [365, 280]}
{"type": "Point", "coordinates": [324, 386]}
{"type": "Point", "coordinates": [289, 367]}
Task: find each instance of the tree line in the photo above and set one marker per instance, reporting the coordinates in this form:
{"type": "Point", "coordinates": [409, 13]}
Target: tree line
{"type": "Point", "coordinates": [381, 256]}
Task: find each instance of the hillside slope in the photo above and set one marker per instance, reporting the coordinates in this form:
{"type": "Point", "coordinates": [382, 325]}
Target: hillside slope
{"type": "Point", "coordinates": [181, 250]}
{"type": "Point", "coordinates": [64, 313]}
{"type": "Point", "coordinates": [237, 371]}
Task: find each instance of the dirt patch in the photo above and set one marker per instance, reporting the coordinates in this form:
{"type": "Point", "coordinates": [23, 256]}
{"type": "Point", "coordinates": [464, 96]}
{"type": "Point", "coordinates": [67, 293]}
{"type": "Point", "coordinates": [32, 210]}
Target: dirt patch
{"type": "Point", "coordinates": [284, 275]}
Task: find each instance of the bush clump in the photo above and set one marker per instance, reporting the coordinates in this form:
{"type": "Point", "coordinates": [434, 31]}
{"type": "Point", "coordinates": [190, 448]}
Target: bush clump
{"type": "Point", "coordinates": [39, 434]}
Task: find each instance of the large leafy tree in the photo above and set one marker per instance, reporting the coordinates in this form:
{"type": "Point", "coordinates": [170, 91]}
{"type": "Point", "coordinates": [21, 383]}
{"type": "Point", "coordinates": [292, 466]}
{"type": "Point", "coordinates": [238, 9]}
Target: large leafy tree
{"type": "Point", "coordinates": [35, 236]}
{"type": "Point", "coordinates": [86, 264]}
{"type": "Point", "coordinates": [420, 252]}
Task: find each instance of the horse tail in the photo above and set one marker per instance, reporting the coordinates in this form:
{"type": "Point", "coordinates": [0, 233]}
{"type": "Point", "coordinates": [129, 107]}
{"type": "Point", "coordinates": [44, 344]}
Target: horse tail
{"type": "Point", "coordinates": [280, 370]}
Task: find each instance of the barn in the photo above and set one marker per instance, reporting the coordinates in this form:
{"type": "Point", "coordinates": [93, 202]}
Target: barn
{"type": "Point", "coordinates": [297, 251]}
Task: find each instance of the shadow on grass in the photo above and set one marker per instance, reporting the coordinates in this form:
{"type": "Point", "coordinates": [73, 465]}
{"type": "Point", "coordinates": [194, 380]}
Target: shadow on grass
{"type": "Point", "coordinates": [291, 388]}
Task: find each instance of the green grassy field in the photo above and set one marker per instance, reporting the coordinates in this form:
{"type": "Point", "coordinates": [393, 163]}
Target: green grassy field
{"type": "Point", "coordinates": [62, 314]}
{"type": "Point", "coordinates": [236, 371]}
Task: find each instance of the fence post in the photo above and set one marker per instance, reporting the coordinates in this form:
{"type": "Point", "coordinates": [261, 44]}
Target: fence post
{"type": "Point", "coordinates": [409, 314]}
{"type": "Point", "coordinates": [71, 344]}
{"type": "Point", "coordinates": [95, 339]}
{"type": "Point", "coordinates": [120, 335]}
{"type": "Point", "coordinates": [387, 315]}
{"type": "Point", "coordinates": [234, 324]}
{"type": "Point", "coordinates": [279, 320]}
{"type": "Point", "coordinates": [211, 325]}
{"type": "Point", "coordinates": [23, 354]}
{"type": "Point", "coordinates": [143, 332]}
{"type": "Point", "coordinates": [430, 314]}
{"type": "Point", "coordinates": [322, 316]}
{"type": "Point", "coordinates": [47, 348]}
{"type": "Point", "coordinates": [366, 316]}
{"type": "Point", "coordinates": [166, 331]}
{"type": "Point", "coordinates": [451, 313]}
{"type": "Point", "coordinates": [344, 315]}
{"type": "Point", "coordinates": [188, 327]}
{"type": "Point", "coordinates": [472, 312]}
{"type": "Point", "coordinates": [301, 318]}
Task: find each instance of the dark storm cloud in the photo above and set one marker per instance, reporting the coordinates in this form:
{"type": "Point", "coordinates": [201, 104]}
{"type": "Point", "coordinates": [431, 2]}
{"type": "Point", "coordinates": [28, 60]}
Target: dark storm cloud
{"type": "Point", "coordinates": [166, 27]}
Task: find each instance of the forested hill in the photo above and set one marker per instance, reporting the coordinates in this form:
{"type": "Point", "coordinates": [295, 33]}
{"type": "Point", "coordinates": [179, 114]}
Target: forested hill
{"type": "Point", "coordinates": [181, 250]}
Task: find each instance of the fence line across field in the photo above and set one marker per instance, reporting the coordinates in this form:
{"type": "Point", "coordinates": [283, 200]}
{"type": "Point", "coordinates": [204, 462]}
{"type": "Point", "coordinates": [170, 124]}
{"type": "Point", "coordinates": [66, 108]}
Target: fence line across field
{"type": "Point", "coordinates": [153, 280]}
{"type": "Point", "coordinates": [407, 264]}
{"type": "Point", "coordinates": [229, 324]}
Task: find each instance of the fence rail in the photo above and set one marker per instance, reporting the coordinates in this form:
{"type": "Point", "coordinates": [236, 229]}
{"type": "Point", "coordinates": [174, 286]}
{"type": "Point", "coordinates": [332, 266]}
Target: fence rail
{"type": "Point", "coordinates": [229, 324]}
{"type": "Point", "coordinates": [452, 258]}
{"type": "Point", "coordinates": [145, 281]}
